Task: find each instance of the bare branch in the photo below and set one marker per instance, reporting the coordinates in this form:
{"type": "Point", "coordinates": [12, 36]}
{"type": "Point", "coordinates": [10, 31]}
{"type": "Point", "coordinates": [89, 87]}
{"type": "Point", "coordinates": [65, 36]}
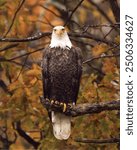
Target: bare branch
{"type": "Point", "coordinates": [101, 11]}
{"type": "Point", "coordinates": [82, 42]}
{"type": "Point", "coordinates": [22, 133]}
{"type": "Point", "coordinates": [2, 59]}
{"type": "Point", "coordinates": [82, 109]}
{"type": "Point", "coordinates": [117, 25]}
{"type": "Point", "coordinates": [5, 139]}
{"type": "Point", "coordinates": [99, 141]}
{"type": "Point", "coordinates": [26, 54]}
{"type": "Point", "coordinates": [50, 11]}
{"type": "Point", "coordinates": [115, 9]}
{"type": "Point", "coordinates": [14, 17]}
{"type": "Point", "coordinates": [4, 87]}
{"type": "Point", "coordinates": [69, 18]}
{"type": "Point", "coordinates": [9, 47]}
{"type": "Point", "coordinates": [28, 39]}
{"type": "Point", "coordinates": [102, 56]}
{"type": "Point", "coordinates": [22, 68]}
{"type": "Point", "coordinates": [44, 34]}
{"type": "Point", "coordinates": [93, 37]}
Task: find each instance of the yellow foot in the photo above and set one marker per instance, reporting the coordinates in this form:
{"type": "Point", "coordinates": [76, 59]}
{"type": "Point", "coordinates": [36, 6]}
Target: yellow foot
{"type": "Point", "coordinates": [57, 102]}
{"type": "Point", "coordinates": [64, 106]}
{"type": "Point", "coordinates": [52, 102]}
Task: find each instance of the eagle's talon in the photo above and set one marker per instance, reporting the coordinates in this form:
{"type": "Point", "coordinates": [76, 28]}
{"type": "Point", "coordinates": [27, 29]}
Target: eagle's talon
{"type": "Point", "coordinates": [64, 107]}
{"type": "Point", "coordinates": [61, 104]}
{"type": "Point", "coordinates": [52, 102]}
{"type": "Point", "coordinates": [56, 102]}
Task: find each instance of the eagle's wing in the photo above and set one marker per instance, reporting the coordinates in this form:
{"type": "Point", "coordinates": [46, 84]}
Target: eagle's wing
{"type": "Point", "coordinates": [45, 74]}
{"type": "Point", "coordinates": [76, 80]}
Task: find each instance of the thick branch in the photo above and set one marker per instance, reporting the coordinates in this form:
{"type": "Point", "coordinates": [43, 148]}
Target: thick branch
{"type": "Point", "coordinates": [44, 34]}
{"type": "Point", "coordinates": [23, 134]}
{"type": "Point", "coordinates": [82, 109]}
{"type": "Point", "coordinates": [99, 141]}
{"type": "Point", "coordinates": [28, 39]}
{"type": "Point", "coordinates": [115, 9]}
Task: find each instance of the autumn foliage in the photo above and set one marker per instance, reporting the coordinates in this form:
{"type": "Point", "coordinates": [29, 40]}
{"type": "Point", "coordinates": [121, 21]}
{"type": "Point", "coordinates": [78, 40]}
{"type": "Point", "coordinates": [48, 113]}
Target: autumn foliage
{"type": "Point", "coordinates": [93, 26]}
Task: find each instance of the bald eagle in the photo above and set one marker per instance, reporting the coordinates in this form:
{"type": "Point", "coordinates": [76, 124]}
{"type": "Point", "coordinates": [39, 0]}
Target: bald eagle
{"type": "Point", "coordinates": [61, 71]}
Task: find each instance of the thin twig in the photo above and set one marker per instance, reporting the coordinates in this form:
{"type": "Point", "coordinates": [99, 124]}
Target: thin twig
{"type": "Point", "coordinates": [101, 11]}
{"type": "Point", "coordinates": [82, 42]}
{"type": "Point", "coordinates": [7, 47]}
{"type": "Point", "coordinates": [103, 25]}
{"type": "Point", "coordinates": [14, 17]}
{"type": "Point", "coordinates": [102, 56]}
{"type": "Point", "coordinates": [93, 37]}
{"type": "Point", "coordinates": [26, 54]}
{"type": "Point", "coordinates": [50, 11]}
{"type": "Point", "coordinates": [14, 62]}
{"type": "Point", "coordinates": [108, 33]}
{"type": "Point", "coordinates": [22, 68]}
{"type": "Point", "coordinates": [69, 18]}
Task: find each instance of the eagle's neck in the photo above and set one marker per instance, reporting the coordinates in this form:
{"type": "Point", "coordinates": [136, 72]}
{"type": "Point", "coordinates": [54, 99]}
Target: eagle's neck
{"type": "Point", "coordinates": [62, 42]}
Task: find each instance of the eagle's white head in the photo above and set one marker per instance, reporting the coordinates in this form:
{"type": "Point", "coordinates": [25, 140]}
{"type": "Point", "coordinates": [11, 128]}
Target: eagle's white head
{"type": "Point", "coordinates": [60, 38]}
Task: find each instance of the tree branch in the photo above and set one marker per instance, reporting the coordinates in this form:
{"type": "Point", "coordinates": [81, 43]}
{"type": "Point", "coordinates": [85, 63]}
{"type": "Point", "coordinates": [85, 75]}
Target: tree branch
{"type": "Point", "coordinates": [69, 18]}
{"type": "Point", "coordinates": [22, 133]}
{"type": "Point", "coordinates": [9, 47]}
{"type": "Point", "coordinates": [44, 34]}
{"type": "Point", "coordinates": [99, 57]}
{"type": "Point", "coordinates": [93, 37]}
{"type": "Point", "coordinates": [5, 139]}
{"type": "Point", "coordinates": [82, 109]}
{"type": "Point", "coordinates": [115, 9]}
{"type": "Point", "coordinates": [50, 10]}
{"type": "Point", "coordinates": [19, 7]}
{"type": "Point", "coordinates": [99, 141]}
{"type": "Point", "coordinates": [101, 11]}
{"type": "Point", "coordinates": [28, 39]}
{"type": "Point", "coordinates": [26, 54]}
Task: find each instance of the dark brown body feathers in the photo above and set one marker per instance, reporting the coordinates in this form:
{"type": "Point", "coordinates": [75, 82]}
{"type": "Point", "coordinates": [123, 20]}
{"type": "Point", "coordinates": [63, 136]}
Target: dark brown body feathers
{"type": "Point", "coordinates": [62, 70]}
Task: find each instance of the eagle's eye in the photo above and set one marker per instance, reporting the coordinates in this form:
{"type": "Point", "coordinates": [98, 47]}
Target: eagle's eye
{"type": "Point", "coordinates": [63, 29]}
{"type": "Point", "coordinates": [55, 30]}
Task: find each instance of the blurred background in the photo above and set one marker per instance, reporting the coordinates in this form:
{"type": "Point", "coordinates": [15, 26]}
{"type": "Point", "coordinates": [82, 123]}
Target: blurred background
{"type": "Point", "coordinates": [93, 25]}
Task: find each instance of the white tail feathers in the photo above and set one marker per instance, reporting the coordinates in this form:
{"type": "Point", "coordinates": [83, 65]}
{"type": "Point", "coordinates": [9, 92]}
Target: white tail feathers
{"type": "Point", "coordinates": [61, 125]}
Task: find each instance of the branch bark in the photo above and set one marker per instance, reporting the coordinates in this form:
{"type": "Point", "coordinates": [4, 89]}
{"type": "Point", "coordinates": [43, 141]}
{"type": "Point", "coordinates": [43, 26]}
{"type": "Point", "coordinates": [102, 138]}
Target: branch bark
{"type": "Point", "coordinates": [82, 109]}
{"type": "Point", "coordinates": [99, 57]}
{"type": "Point", "coordinates": [99, 141]}
{"type": "Point", "coordinates": [44, 34]}
{"type": "Point", "coordinates": [22, 133]}
{"type": "Point", "coordinates": [115, 9]}
{"type": "Point", "coordinates": [28, 39]}
{"type": "Point", "coordinates": [7, 47]}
